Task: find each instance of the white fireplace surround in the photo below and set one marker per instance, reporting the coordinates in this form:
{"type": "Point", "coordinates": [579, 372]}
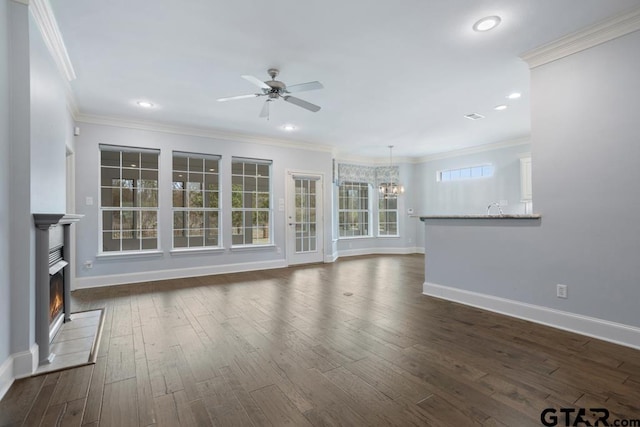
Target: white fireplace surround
{"type": "Point", "coordinates": [44, 222]}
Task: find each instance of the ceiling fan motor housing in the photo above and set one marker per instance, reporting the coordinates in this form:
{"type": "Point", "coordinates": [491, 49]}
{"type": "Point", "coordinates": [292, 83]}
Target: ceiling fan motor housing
{"type": "Point", "coordinates": [275, 85]}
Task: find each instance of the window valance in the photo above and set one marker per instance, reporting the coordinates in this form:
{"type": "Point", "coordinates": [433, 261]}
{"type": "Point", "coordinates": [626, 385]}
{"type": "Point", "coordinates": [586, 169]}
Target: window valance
{"type": "Point", "coordinates": [374, 175]}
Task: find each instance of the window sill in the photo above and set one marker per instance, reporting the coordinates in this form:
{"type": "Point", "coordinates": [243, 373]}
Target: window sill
{"type": "Point", "coordinates": [132, 254]}
{"type": "Point", "coordinates": [391, 236]}
{"type": "Point", "coordinates": [355, 237]}
{"type": "Point", "coordinates": [188, 251]}
{"type": "Point", "coordinates": [248, 248]}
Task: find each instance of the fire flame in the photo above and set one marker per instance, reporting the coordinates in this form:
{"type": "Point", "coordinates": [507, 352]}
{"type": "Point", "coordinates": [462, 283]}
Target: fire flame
{"type": "Point", "coordinates": [55, 307]}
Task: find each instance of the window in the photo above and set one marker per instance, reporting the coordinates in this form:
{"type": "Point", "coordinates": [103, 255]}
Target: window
{"type": "Point", "coordinates": [196, 200]}
{"type": "Point", "coordinates": [250, 202]}
{"type": "Point", "coordinates": [473, 172]}
{"type": "Point", "coordinates": [128, 199]}
{"type": "Point", "coordinates": [353, 209]}
{"type": "Point", "coordinates": [387, 216]}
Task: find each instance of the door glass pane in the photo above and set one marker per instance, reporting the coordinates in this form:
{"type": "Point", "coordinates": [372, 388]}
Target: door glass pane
{"type": "Point", "coordinates": [305, 202]}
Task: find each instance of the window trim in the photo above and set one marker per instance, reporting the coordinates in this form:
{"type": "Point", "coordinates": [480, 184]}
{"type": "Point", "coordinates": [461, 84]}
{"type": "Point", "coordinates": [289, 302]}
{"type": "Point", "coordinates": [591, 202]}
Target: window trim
{"type": "Point", "coordinates": [379, 210]}
{"type": "Point", "coordinates": [439, 174]}
{"type": "Point", "coordinates": [269, 210]}
{"type": "Point", "coordinates": [204, 157]}
{"type": "Point", "coordinates": [101, 209]}
{"type": "Point", "coordinates": [369, 212]}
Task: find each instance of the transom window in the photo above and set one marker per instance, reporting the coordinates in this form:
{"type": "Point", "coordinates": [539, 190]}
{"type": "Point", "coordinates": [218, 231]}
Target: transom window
{"type": "Point", "coordinates": [128, 199]}
{"type": "Point", "coordinates": [196, 200]}
{"type": "Point", "coordinates": [459, 174]}
{"type": "Point", "coordinates": [250, 202]}
{"type": "Point", "coordinates": [353, 209]}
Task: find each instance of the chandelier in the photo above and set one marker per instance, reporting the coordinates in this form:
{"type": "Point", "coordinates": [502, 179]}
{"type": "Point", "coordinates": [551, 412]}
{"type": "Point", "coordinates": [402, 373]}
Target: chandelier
{"type": "Point", "coordinates": [390, 189]}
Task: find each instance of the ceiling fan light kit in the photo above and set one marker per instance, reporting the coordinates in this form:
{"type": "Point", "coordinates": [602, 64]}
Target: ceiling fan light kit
{"type": "Point", "coordinates": [274, 89]}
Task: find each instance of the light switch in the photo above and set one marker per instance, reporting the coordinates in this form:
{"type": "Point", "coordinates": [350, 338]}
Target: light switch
{"type": "Point", "coordinates": [88, 201]}
{"type": "Point", "coordinates": [281, 205]}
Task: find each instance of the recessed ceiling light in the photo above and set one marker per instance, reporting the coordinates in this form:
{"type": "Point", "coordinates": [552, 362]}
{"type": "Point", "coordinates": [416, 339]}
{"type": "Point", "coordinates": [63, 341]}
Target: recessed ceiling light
{"type": "Point", "coordinates": [500, 107]}
{"type": "Point", "coordinates": [145, 104]}
{"type": "Point", "coordinates": [514, 95]}
{"type": "Point", "coordinates": [288, 127]}
{"type": "Point", "coordinates": [474, 116]}
{"type": "Point", "coordinates": [487, 23]}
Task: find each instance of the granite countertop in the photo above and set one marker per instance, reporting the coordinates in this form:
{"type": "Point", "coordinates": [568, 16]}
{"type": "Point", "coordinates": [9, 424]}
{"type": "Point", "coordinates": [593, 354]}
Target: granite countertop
{"type": "Point", "coordinates": [480, 216]}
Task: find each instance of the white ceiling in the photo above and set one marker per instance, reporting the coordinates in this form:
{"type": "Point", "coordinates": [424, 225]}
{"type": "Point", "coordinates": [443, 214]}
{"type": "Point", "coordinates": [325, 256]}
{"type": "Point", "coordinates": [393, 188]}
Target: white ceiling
{"type": "Point", "coordinates": [401, 72]}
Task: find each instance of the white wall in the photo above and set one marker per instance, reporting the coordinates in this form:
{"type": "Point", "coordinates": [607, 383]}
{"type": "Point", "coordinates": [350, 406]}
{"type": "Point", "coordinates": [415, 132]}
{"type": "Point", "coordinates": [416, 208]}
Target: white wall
{"type": "Point", "coordinates": [165, 265]}
{"type": "Point", "coordinates": [585, 154]}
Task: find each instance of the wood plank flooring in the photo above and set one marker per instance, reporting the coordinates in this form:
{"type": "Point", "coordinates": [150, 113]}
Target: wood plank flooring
{"type": "Point", "coordinates": [288, 347]}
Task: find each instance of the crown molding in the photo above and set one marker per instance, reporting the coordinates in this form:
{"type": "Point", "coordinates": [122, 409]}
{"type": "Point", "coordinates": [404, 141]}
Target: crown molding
{"type": "Point", "coordinates": [46, 22]}
{"type": "Point", "coordinates": [474, 150]}
{"type": "Point", "coordinates": [601, 32]}
{"type": "Point", "coordinates": [206, 133]}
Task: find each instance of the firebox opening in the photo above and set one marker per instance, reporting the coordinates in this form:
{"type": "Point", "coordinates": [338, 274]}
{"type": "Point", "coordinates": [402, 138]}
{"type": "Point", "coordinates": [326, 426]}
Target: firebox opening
{"type": "Point", "coordinates": [56, 296]}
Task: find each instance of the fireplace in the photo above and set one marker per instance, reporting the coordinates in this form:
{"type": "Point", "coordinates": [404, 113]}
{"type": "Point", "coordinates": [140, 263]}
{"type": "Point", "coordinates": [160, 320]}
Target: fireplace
{"type": "Point", "coordinates": [53, 274]}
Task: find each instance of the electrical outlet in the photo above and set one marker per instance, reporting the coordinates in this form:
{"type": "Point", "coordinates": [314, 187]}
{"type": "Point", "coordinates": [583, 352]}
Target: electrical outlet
{"type": "Point", "coordinates": [88, 264]}
{"type": "Point", "coordinates": [504, 203]}
{"type": "Point", "coordinates": [561, 291]}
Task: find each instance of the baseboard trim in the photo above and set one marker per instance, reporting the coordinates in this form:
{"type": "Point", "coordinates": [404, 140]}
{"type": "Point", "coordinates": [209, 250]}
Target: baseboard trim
{"type": "Point", "coordinates": [379, 251]}
{"type": "Point", "coordinates": [18, 365]}
{"type": "Point", "coordinates": [6, 376]}
{"type": "Point", "coordinates": [605, 330]}
{"type": "Point", "coordinates": [331, 258]}
{"type": "Point", "coordinates": [26, 362]}
{"type": "Point", "coordinates": [149, 276]}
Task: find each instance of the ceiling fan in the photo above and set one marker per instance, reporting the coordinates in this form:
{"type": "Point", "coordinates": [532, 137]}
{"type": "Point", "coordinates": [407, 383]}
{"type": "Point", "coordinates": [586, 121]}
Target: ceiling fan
{"type": "Point", "coordinates": [274, 89]}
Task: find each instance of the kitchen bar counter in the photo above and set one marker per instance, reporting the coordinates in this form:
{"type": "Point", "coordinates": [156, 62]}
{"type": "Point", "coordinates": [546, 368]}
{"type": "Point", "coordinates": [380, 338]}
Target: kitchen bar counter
{"type": "Point", "coordinates": [504, 216]}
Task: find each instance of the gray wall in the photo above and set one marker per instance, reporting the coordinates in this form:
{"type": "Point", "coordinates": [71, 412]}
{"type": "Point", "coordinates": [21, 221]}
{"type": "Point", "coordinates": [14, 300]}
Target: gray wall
{"type": "Point", "coordinates": [87, 182]}
{"type": "Point", "coordinates": [470, 196]}
{"type": "Point", "coordinates": [51, 127]}
{"type": "Point", "coordinates": [34, 131]}
{"type": "Point", "coordinates": [5, 163]}
{"type": "Point", "coordinates": [585, 151]}
{"type": "Point", "coordinates": [21, 232]}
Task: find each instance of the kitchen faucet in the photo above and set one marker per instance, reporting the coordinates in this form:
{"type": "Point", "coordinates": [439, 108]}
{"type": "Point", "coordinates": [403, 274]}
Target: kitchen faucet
{"type": "Point", "coordinates": [496, 204]}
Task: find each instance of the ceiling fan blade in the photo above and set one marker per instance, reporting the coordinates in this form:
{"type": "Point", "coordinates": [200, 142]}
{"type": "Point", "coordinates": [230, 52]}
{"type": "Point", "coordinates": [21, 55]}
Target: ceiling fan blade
{"type": "Point", "coordinates": [302, 103]}
{"type": "Point", "coordinates": [231, 98]}
{"type": "Point", "coordinates": [256, 81]}
{"type": "Point", "coordinates": [304, 86]}
{"type": "Point", "coordinates": [265, 109]}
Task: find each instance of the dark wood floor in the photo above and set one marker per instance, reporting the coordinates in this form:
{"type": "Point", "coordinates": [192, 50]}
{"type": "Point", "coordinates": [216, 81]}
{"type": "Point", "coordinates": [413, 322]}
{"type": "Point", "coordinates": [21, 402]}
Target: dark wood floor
{"type": "Point", "coordinates": [288, 347]}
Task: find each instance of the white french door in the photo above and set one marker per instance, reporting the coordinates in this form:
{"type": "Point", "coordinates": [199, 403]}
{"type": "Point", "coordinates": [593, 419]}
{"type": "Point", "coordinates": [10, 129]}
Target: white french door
{"type": "Point", "coordinates": [304, 218]}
